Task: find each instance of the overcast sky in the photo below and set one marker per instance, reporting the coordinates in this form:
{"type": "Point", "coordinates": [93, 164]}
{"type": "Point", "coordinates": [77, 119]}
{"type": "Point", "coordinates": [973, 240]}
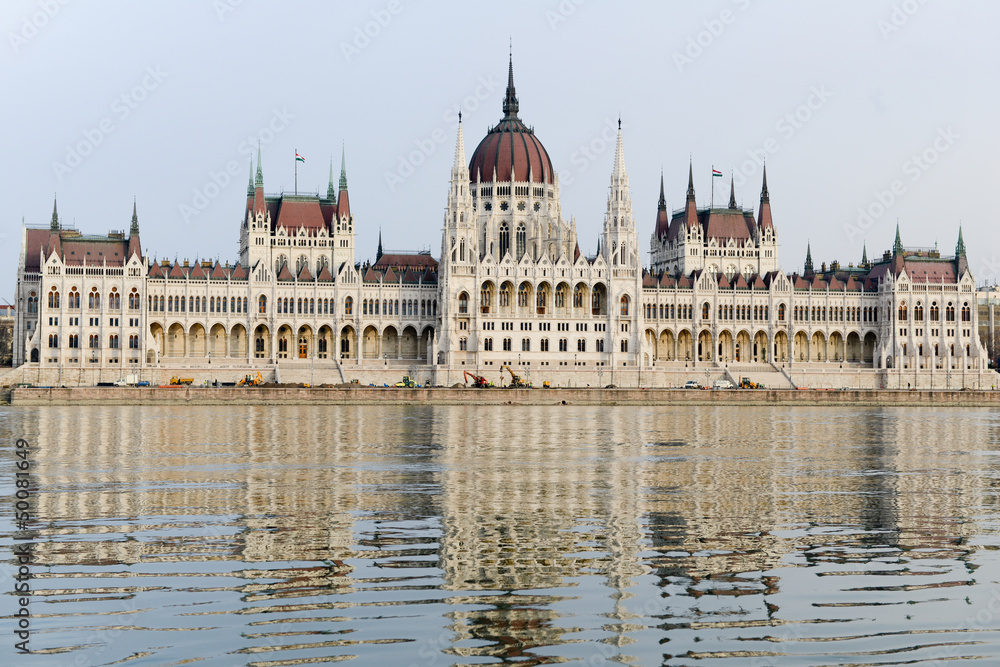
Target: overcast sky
{"type": "Point", "coordinates": [867, 111]}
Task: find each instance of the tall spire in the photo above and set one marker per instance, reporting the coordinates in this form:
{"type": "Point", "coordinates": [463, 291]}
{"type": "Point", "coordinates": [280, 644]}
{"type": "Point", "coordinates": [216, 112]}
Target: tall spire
{"type": "Point", "coordinates": [330, 192]}
{"type": "Point", "coordinates": [763, 192]}
{"type": "Point", "coordinates": [809, 260]}
{"type": "Point", "coordinates": [960, 246]}
{"type": "Point", "coordinates": [259, 181]}
{"type": "Point", "coordinates": [510, 105]}
{"type": "Point", "coordinates": [343, 169]}
{"type": "Point", "coordinates": [897, 247]}
{"type": "Point", "coordinates": [662, 205]}
{"type": "Point", "coordinates": [619, 170]}
{"type": "Point", "coordinates": [732, 192]}
{"type": "Point", "coordinates": [378, 253]}
{"type": "Point", "coordinates": [134, 229]}
{"type": "Point", "coordinates": [54, 225]}
{"type": "Point", "coordinates": [690, 192]}
{"type": "Point", "coordinates": [864, 254]}
{"type": "Point", "coordinates": [459, 146]}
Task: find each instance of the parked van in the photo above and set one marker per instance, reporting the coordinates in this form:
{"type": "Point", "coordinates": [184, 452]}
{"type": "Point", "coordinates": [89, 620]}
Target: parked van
{"type": "Point", "coordinates": [722, 384]}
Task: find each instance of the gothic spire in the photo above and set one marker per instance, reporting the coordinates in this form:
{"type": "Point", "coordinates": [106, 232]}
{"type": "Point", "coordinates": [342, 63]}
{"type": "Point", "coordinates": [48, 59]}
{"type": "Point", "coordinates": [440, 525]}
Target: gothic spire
{"type": "Point", "coordinates": [897, 247]}
{"type": "Point", "coordinates": [134, 229]}
{"type": "Point", "coordinates": [378, 253]}
{"type": "Point", "coordinates": [690, 192]}
{"type": "Point", "coordinates": [809, 260]}
{"type": "Point", "coordinates": [330, 192]}
{"type": "Point", "coordinates": [343, 169]}
{"type": "Point", "coordinates": [763, 192]}
{"type": "Point", "coordinates": [459, 147]}
{"type": "Point", "coordinates": [960, 247]}
{"type": "Point", "coordinates": [864, 254]}
{"type": "Point", "coordinates": [259, 181]}
{"type": "Point", "coordinates": [54, 225]}
{"type": "Point", "coordinates": [619, 173]}
{"type": "Point", "coordinates": [732, 192]}
{"type": "Point", "coordinates": [510, 105]}
{"type": "Point", "coordinates": [662, 205]}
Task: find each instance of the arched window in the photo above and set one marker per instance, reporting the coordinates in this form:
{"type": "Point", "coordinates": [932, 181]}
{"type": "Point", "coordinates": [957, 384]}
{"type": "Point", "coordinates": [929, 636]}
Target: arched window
{"type": "Point", "coordinates": [113, 341]}
{"type": "Point", "coordinates": [133, 299]}
{"type": "Point", "coordinates": [114, 299]}
{"type": "Point", "coordinates": [463, 303]}
{"type": "Point", "coordinates": [53, 340]}
{"type": "Point", "coordinates": [624, 301]}
{"type": "Point", "coordinates": [133, 342]}
{"type": "Point", "coordinates": [522, 295]}
{"type": "Point", "coordinates": [624, 345]}
{"type": "Point", "coordinates": [935, 312]}
{"type": "Point", "coordinates": [33, 306]}
{"type": "Point", "coordinates": [704, 311]}
{"type": "Point", "coordinates": [950, 312]}
{"type": "Point", "coordinates": [53, 298]}
{"type": "Point", "coordinates": [94, 300]}
{"type": "Point", "coordinates": [504, 239]}
{"type": "Point", "coordinates": [918, 312]}
{"type": "Point", "coordinates": [902, 311]}
{"type": "Point", "coordinates": [74, 298]}
{"type": "Point", "coordinates": [95, 342]}
{"type": "Point", "coordinates": [521, 240]}
{"type": "Point", "coordinates": [262, 305]}
{"type": "Point", "coordinates": [349, 306]}
{"type": "Point", "coordinates": [966, 312]}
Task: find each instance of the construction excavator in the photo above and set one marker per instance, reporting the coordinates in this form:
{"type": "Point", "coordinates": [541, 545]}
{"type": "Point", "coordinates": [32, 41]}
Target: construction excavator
{"type": "Point", "coordinates": [251, 381]}
{"type": "Point", "coordinates": [515, 380]}
{"type": "Point", "coordinates": [478, 381]}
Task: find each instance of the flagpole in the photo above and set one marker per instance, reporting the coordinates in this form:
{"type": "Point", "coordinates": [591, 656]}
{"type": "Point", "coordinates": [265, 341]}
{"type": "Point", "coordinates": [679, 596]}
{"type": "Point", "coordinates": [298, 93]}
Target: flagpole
{"type": "Point", "coordinates": [296, 159]}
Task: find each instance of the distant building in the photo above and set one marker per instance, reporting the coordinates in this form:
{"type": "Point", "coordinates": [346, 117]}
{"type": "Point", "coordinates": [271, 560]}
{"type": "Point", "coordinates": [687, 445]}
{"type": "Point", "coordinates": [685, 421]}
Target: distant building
{"type": "Point", "coordinates": [6, 334]}
{"type": "Point", "coordinates": [510, 288]}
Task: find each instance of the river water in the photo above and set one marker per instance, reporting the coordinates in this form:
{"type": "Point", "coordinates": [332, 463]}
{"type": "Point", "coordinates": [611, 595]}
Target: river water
{"type": "Point", "coordinates": [421, 535]}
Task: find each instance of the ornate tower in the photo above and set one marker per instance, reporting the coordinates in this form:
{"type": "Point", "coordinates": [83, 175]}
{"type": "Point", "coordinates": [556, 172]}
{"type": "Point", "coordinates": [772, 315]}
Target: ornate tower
{"type": "Point", "coordinates": [343, 227]}
{"type": "Point", "coordinates": [619, 241]}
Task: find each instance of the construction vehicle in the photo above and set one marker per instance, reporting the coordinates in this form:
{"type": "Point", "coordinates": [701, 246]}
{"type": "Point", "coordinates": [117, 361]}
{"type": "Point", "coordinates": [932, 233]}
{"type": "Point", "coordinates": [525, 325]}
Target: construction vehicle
{"type": "Point", "coordinates": [406, 382]}
{"type": "Point", "coordinates": [515, 380]}
{"type": "Point", "coordinates": [747, 383]}
{"type": "Point", "coordinates": [546, 385]}
{"type": "Point", "coordinates": [478, 381]}
{"type": "Point", "coordinates": [176, 380]}
{"type": "Point", "coordinates": [251, 381]}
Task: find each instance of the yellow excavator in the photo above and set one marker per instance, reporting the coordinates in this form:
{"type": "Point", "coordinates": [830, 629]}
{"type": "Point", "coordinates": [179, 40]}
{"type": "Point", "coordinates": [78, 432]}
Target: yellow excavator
{"type": "Point", "coordinates": [251, 381]}
{"type": "Point", "coordinates": [515, 380]}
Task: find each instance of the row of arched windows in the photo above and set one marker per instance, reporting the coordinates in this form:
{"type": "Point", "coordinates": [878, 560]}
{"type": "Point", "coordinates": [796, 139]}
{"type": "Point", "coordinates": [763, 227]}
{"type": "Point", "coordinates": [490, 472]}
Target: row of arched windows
{"type": "Point", "coordinates": [95, 341]}
{"type": "Point", "coordinates": [114, 299]}
{"type": "Point", "coordinates": [935, 312]}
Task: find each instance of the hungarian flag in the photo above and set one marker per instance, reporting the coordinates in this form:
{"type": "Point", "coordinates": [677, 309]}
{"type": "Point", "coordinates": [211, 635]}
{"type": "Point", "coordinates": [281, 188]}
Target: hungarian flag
{"type": "Point", "coordinates": [299, 158]}
{"type": "Point", "coordinates": [716, 172]}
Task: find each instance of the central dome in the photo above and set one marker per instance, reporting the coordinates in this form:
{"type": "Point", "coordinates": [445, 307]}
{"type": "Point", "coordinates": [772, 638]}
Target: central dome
{"type": "Point", "coordinates": [510, 147]}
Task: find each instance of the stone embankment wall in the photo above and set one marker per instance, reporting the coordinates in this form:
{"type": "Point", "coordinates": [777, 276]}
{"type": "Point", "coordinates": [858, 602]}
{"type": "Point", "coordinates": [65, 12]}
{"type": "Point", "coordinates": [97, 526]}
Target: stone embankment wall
{"type": "Point", "coordinates": [451, 396]}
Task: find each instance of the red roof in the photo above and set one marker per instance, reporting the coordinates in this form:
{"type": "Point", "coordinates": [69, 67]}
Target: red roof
{"type": "Point", "coordinates": [510, 146]}
{"type": "Point", "coordinates": [404, 261]}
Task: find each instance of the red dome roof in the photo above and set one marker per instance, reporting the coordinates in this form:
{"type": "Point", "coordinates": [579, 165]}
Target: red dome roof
{"type": "Point", "coordinates": [510, 146]}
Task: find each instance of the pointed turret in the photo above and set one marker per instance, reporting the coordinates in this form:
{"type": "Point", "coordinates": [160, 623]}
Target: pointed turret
{"type": "Point", "coordinates": [331, 193]}
{"type": "Point", "coordinates": [732, 192]}
{"type": "Point", "coordinates": [343, 202]}
{"type": "Point", "coordinates": [459, 147]}
{"type": "Point", "coordinates": [620, 241]}
{"type": "Point", "coordinates": [808, 269]}
{"type": "Point", "coordinates": [258, 187]}
{"type": "Point", "coordinates": [864, 254]}
{"type": "Point", "coordinates": [690, 192]}
{"type": "Point", "coordinates": [54, 225]}
{"type": "Point", "coordinates": [764, 215]}
{"type": "Point", "coordinates": [897, 247]}
{"type": "Point", "coordinates": [662, 219]}
{"type": "Point", "coordinates": [134, 229]}
{"type": "Point", "coordinates": [662, 204]}
{"type": "Point", "coordinates": [510, 104]}
{"type": "Point", "coordinates": [133, 235]}
{"type": "Point", "coordinates": [690, 207]}
{"type": "Point", "coordinates": [378, 253]}
{"type": "Point", "coordinates": [961, 260]}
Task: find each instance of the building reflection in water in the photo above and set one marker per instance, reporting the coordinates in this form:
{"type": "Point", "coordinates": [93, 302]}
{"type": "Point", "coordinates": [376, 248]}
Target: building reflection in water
{"type": "Point", "coordinates": [531, 532]}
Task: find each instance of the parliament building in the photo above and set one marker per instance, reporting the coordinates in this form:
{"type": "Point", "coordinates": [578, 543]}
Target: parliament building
{"type": "Point", "coordinates": [510, 288]}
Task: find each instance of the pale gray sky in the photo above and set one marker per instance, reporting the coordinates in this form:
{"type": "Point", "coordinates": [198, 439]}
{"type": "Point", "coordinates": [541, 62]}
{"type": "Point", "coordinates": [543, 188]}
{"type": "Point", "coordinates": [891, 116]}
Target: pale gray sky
{"type": "Point", "coordinates": [848, 100]}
